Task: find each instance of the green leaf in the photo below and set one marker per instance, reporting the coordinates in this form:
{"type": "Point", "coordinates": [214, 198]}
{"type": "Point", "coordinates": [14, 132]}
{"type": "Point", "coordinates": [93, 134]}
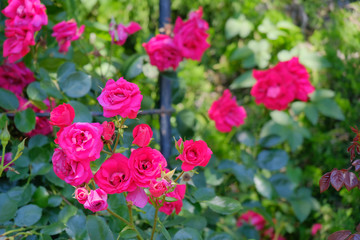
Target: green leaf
{"type": "Point", "coordinates": [196, 221]}
{"type": "Point", "coordinates": [245, 80]}
{"type": "Point", "coordinates": [298, 107]}
{"type": "Point", "coordinates": [98, 228]}
{"type": "Point", "coordinates": [204, 194]}
{"type": "Point", "coordinates": [270, 141]}
{"type": "Point", "coordinates": [65, 70]}
{"type": "Point", "coordinates": [21, 195]}
{"type": "Point", "coordinates": [263, 186]}
{"type": "Point", "coordinates": [261, 51]}
{"type": "Point", "coordinates": [38, 141]}
{"type": "Point", "coordinates": [8, 208]}
{"type": "Point", "coordinates": [282, 184]}
{"type": "Point", "coordinates": [321, 94]}
{"type": "Point", "coordinates": [76, 85]}
{"type": "Point", "coordinates": [25, 120]}
{"type": "Point", "coordinates": [311, 113]}
{"type": "Point", "coordinates": [240, 26]}
{"type": "Point", "coordinates": [246, 138]}
{"type": "Point", "coordinates": [241, 53]}
{"type": "Point", "coordinates": [281, 118]}
{"type": "Point", "coordinates": [35, 92]}
{"type": "Point", "coordinates": [221, 236]}
{"type": "Point", "coordinates": [28, 215]}
{"type": "Point", "coordinates": [66, 213]}
{"type": "Point", "coordinates": [54, 201]}
{"type": "Point", "coordinates": [134, 67]}
{"type": "Point", "coordinates": [75, 226]}
{"type": "Point", "coordinates": [329, 108]}
{"type": "Point", "coordinates": [224, 205]}
{"type": "Point", "coordinates": [272, 159]}
{"type": "Point", "coordinates": [41, 197]}
{"type": "Point", "coordinates": [8, 100]}
{"type": "Point", "coordinates": [82, 113]}
{"type": "Point", "coordinates": [186, 122]}
{"type": "Point", "coordinates": [187, 234]}
{"type": "Point", "coordinates": [54, 228]}
{"type": "Point", "coordinates": [171, 199]}
{"type": "Point", "coordinates": [51, 89]}
{"type": "Point", "coordinates": [164, 231]}
{"type": "Point", "coordinates": [301, 207]}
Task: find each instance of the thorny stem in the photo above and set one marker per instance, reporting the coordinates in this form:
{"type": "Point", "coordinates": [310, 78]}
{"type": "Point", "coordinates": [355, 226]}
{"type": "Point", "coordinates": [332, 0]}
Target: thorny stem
{"type": "Point", "coordinates": [107, 152]}
{"type": "Point", "coordinates": [277, 231]}
{"type": "Point", "coordinates": [2, 161]}
{"type": "Point", "coordinates": [155, 221]}
{"type": "Point", "coordinates": [179, 176]}
{"type": "Point", "coordinates": [108, 145]}
{"type": "Point", "coordinates": [12, 231]}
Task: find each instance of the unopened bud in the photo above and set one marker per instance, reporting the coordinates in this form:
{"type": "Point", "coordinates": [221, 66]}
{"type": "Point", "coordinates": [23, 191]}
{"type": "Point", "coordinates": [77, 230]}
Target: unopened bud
{"type": "Point", "coordinates": [5, 136]}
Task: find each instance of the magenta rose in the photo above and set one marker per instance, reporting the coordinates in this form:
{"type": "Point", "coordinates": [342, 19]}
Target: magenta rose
{"type": "Point", "coordinates": [144, 164]}
{"type": "Point", "coordinates": [253, 218]}
{"type": "Point", "coordinates": [119, 33]}
{"type": "Point", "coordinates": [27, 12]}
{"type": "Point", "coordinates": [15, 77]}
{"type": "Point", "coordinates": [73, 172]}
{"type": "Point", "coordinates": [18, 42]}
{"type": "Point", "coordinates": [7, 160]}
{"type": "Point", "coordinates": [315, 228]}
{"type": "Point", "coordinates": [178, 193]}
{"type": "Point", "coordinates": [109, 129]}
{"type": "Point", "coordinates": [65, 32]}
{"type": "Point", "coordinates": [120, 98]}
{"type": "Point", "coordinates": [62, 116]}
{"type": "Point", "coordinates": [280, 85]}
{"type": "Point", "coordinates": [194, 154]}
{"type": "Point", "coordinates": [114, 175]}
{"type": "Point", "coordinates": [142, 134]}
{"type": "Point", "coordinates": [226, 112]}
{"type": "Point", "coordinates": [42, 127]}
{"type": "Point", "coordinates": [163, 52]}
{"type": "Point", "coordinates": [82, 141]}
{"type": "Point", "coordinates": [190, 36]}
{"type": "Point", "coordinates": [158, 188]}
{"type": "Point", "coordinates": [96, 201]}
{"type": "Point", "coordinates": [81, 194]}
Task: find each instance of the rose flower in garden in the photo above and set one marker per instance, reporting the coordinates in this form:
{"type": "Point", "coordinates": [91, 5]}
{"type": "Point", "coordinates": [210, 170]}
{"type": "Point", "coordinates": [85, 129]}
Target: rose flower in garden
{"type": "Point", "coordinates": [282, 84]}
{"type": "Point", "coordinates": [119, 32]}
{"type": "Point", "coordinates": [65, 32]}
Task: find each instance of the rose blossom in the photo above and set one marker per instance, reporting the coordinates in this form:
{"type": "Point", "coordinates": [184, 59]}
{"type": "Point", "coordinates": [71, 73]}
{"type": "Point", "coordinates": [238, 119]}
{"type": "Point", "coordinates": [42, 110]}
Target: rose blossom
{"type": "Point", "coordinates": [178, 193]}
{"type": "Point", "coordinates": [163, 52]}
{"type": "Point", "coordinates": [114, 175]}
{"type": "Point", "coordinates": [119, 33]}
{"type": "Point", "coordinates": [271, 234]}
{"type": "Point", "coordinates": [120, 98]}
{"type": "Point", "coordinates": [109, 129]}
{"type": "Point", "coordinates": [42, 127]}
{"type": "Point", "coordinates": [82, 141]}
{"type": "Point", "coordinates": [27, 12]}
{"type": "Point", "coordinates": [96, 201]}
{"type": "Point", "coordinates": [194, 154]}
{"type": "Point", "coordinates": [226, 112]}
{"type": "Point", "coordinates": [72, 172]}
{"type": "Point", "coordinates": [62, 116]}
{"type": "Point", "coordinates": [138, 197]}
{"type": "Point", "coordinates": [190, 36]}
{"type": "Point", "coordinates": [65, 32]}
{"type": "Point", "coordinates": [81, 194]}
{"type": "Point", "coordinates": [142, 134]}
{"type": "Point", "coordinates": [144, 164]}
{"type": "Point", "coordinates": [158, 188]}
{"type": "Point", "coordinates": [18, 42]}
{"type": "Point", "coordinates": [15, 77]}
{"type": "Point", "coordinates": [280, 85]}
{"type": "Point", "coordinates": [315, 228]}
{"type": "Point", "coordinates": [7, 159]}
{"type": "Point", "coordinates": [252, 218]}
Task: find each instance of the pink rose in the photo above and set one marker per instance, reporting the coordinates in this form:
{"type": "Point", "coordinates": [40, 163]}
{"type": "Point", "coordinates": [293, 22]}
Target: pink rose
{"type": "Point", "coordinates": [138, 197]}
{"type": "Point", "coordinates": [109, 129]}
{"type": "Point", "coordinates": [65, 32]}
{"type": "Point", "coordinates": [119, 33]}
{"type": "Point", "coordinates": [73, 172]}
{"type": "Point", "coordinates": [96, 201]}
{"type": "Point", "coordinates": [62, 116]}
{"type": "Point", "coordinates": [144, 164]}
{"type": "Point", "coordinates": [178, 193]}
{"type": "Point", "coordinates": [158, 188]}
{"type": "Point", "coordinates": [15, 77]}
{"type": "Point", "coordinates": [226, 112]}
{"type": "Point", "coordinates": [194, 154]}
{"type": "Point", "coordinates": [81, 194]}
{"type": "Point", "coordinates": [269, 233]}
{"type": "Point", "coordinates": [18, 42]}
{"type": "Point", "coordinates": [7, 159]}
{"type": "Point", "coordinates": [163, 52]}
{"type": "Point", "coordinates": [120, 98]}
{"type": "Point", "coordinates": [82, 141]}
{"type": "Point", "coordinates": [315, 228]}
{"type": "Point", "coordinates": [280, 85]}
{"type": "Point", "coordinates": [142, 134]}
{"type": "Point", "coordinates": [27, 12]}
{"type": "Point", "coordinates": [190, 36]}
{"type": "Point", "coordinates": [253, 218]}
{"type": "Point", "coordinates": [42, 127]}
{"type": "Point", "coordinates": [114, 175]}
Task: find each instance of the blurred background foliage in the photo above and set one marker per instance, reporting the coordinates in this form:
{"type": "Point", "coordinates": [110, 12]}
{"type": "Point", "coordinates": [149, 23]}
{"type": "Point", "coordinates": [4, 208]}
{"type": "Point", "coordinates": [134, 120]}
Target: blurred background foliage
{"type": "Point", "coordinates": [271, 164]}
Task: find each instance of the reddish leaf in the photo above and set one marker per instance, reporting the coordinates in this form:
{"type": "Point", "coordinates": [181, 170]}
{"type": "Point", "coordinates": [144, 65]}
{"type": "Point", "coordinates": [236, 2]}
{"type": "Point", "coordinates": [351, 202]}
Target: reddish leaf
{"type": "Point", "coordinates": [356, 164]}
{"type": "Point", "coordinates": [324, 182]}
{"type": "Point", "coordinates": [355, 130]}
{"type": "Point", "coordinates": [339, 235]}
{"type": "Point", "coordinates": [337, 179]}
{"type": "Point", "coordinates": [358, 228]}
{"type": "Point", "coordinates": [350, 180]}
{"type": "Point", "coordinates": [354, 237]}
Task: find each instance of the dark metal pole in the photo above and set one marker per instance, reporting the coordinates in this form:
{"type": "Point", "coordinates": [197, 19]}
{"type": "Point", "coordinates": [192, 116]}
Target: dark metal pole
{"type": "Point", "coordinates": [165, 88]}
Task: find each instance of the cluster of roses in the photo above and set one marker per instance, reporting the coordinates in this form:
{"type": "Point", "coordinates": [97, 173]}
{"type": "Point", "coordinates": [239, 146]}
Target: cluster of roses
{"type": "Point", "coordinates": [15, 77]}
{"type": "Point", "coordinates": [189, 41]}
{"type": "Point", "coordinates": [81, 143]}
{"type": "Point", "coordinates": [25, 17]}
{"type": "Point", "coordinates": [275, 88]}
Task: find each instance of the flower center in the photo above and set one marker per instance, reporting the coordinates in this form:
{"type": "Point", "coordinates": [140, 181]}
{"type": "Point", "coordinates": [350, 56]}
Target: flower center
{"type": "Point", "coordinates": [273, 92]}
{"type": "Point", "coordinates": [117, 178]}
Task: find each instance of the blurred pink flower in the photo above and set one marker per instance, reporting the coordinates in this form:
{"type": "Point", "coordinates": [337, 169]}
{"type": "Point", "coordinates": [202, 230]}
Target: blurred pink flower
{"type": "Point", "coordinates": [15, 77]}
{"type": "Point", "coordinates": [119, 32]}
{"type": "Point", "coordinates": [315, 228]}
{"type": "Point", "coordinates": [65, 32]}
{"type": "Point", "coordinates": [7, 159]}
{"type": "Point", "coordinates": [252, 218]}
